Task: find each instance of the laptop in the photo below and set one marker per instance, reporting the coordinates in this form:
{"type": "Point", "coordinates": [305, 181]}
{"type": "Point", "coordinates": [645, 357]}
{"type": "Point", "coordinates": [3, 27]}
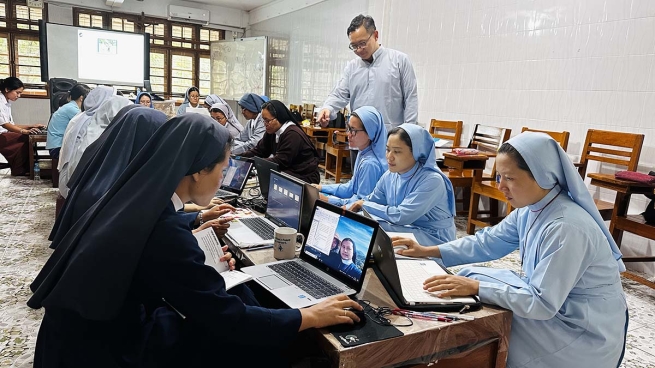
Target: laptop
{"type": "Point", "coordinates": [310, 195]}
{"type": "Point", "coordinates": [405, 277]}
{"type": "Point", "coordinates": [320, 271]}
{"type": "Point", "coordinates": [234, 179]}
{"type": "Point", "coordinates": [284, 206]}
{"type": "Point", "coordinates": [264, 168]}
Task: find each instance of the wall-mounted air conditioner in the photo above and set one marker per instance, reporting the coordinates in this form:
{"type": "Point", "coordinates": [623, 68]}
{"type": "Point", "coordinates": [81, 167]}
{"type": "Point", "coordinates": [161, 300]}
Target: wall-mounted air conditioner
{"type": "Point", "coordinates": [115, 3]}
{"type": "Point", "coordinates": [186, 14]}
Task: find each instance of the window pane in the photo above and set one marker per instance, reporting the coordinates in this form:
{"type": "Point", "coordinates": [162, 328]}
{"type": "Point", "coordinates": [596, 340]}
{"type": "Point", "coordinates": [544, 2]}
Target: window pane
{"type": "Point", "coordinates": [3, 11]}
{"type": "Point", "coordinates": [188, 33]}
{"type": "Point", "coordinates": [3, 24]}
{"type": "Point", "coordinates": [96, 21]}
{"type": "Point", "coordinates": [84, 20]}
{"type": "Point", "coordinates": [128, 26]}
{"type": "Point", "coordinates": [204, 76]}
{"type": "Point", "coordinates": [36, 14]}
{"type": "Point", "coordinates": [181, 73]}
{"type": "Point", "coordinates": [177, 32]}
{"type": "Point", "coordinates": [22, 12]}
{"type": "Point", "coordinates": [157, 71]}
{"type": "Point", "coordinates": [204, 35]}
{"type": "Point", "coordinates": [4, 57]}
{"type": "Point", "coordinates": [117, 24]}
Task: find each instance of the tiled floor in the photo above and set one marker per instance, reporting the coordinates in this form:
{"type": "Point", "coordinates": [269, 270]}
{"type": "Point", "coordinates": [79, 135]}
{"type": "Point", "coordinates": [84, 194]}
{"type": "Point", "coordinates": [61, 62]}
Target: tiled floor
{"type": "Point", "coordinates": [26, 218]}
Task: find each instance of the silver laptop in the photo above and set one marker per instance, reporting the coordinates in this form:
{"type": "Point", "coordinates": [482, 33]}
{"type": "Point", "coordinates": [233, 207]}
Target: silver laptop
{"type": "Point", "coordinates": [325, 267]}
{"type": "Point", "coordinates": [284, 207]}
{"type": "Point", "coordinates": [406, 275]}
{"type": "Point", "coordinates": [234, 179]}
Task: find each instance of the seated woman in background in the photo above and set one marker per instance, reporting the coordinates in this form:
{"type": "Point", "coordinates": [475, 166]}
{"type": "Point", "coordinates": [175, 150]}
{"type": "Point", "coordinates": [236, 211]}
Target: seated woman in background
{"type": "Point", "coordinates": [14, 138]}
{"type": "Point", "coordinates": [143, 99]}
{"type": "Point", "coordinates": [91, 103]}
{"type": "Point", "coordinates": [224, 115]}
{"type": "Point", "coordinates": [568, 305]}
{"type": "Point", "coordinates": [367, 134]}
{"type": "Point", "coordinates": [191, 99]}
{"type": "Point", "coordinates": [251, 108]}
{"type": "Point", "coordinates": [413, 195]}
{"type": "Point", "coordinates": [287, 143]}
{"type": "Point", "coordinates": [60, 119]}
{"type": "Point", "coordinates": [133, 289]}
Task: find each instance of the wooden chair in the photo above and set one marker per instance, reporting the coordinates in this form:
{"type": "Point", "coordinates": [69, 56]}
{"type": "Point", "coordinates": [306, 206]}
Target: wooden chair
{"type": "Point", "coordinates": [490, 190]}
{"type": "Point", "coordinates": [617, 148]}
{"type": "Point", "coordinates": [487, 140]}
{"type": "Point", "coordinates": [336, 154]}
{"type": "Point", "coordinates": [448, 130]}
{"type": "Point", "coordinates": [38, 152]}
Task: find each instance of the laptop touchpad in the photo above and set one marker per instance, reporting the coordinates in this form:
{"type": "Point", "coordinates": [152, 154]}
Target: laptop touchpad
{"type": "Point", "coordinates": [273, 282]}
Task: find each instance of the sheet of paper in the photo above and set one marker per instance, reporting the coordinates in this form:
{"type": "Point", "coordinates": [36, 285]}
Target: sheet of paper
{"type": "Point", "coordinates": [198, 110]}
{"type": "Point", "coordinates": [441, 142]}
{"type": "Point", "coordinates": [208, 242]}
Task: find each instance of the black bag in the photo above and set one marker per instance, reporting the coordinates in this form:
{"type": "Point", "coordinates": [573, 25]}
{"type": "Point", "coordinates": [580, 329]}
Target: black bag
{"type": "Point", "coordinates": [649, 214]}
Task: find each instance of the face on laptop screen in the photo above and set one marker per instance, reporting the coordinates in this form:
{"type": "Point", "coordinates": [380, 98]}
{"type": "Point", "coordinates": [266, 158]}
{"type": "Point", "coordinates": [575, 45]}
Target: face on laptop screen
{"type": "Point", "coordinates": [236, 174]}
{"type": "Point", "coordinates": [284, 198]}
{"type": "Point", "coordinates": [339, 242]}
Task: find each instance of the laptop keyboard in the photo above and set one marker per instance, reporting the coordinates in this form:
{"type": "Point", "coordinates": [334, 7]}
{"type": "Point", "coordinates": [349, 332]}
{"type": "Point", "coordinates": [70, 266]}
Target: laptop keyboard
{"type": "Point", "coordinates": [224, 193]}
{"type": "Point", "coordinates": [305, 279]}
{"type": "Point", "coordinates": [259, 226]}
{"type": "Point", "coordinates": [412, 276]}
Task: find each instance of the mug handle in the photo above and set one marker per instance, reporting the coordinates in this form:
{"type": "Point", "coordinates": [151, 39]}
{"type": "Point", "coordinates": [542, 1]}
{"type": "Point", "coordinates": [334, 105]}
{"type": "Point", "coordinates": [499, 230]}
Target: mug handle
{"type": "Point", "coordinates": [302, 241]}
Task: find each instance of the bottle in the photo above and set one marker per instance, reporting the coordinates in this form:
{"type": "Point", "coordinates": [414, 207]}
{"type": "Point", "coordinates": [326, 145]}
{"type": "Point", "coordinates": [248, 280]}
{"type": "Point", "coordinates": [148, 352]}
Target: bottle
{"type": "Point", "coordinates": [37, 171]}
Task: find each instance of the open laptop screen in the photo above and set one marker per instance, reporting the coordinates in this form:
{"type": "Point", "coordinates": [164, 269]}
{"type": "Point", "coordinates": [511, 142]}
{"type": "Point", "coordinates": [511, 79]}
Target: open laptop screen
{"type": "Point", "coordinates": [340, 243]}
{"type": "Point", "coordinates": [284, 200]}
{"type": "Point", "coordinates": [236, 175]}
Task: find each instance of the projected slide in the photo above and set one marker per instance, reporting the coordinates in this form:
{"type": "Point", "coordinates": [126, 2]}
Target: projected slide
{"type": "Point", "coordinates": [110, 56]}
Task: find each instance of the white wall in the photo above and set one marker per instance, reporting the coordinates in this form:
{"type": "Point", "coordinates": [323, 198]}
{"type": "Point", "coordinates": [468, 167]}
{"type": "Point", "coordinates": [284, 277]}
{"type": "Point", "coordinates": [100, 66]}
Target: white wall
{"type": "Point", "coordinates": [318, 46]}
{"type": "Point", "coordinates": [31, 110]}
{"type": "Point", "coordinates": [551, 64]}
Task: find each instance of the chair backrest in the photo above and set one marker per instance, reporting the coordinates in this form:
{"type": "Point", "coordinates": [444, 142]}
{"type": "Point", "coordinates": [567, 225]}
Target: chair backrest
{"type": "Point", "coordinates": [487, 139]}
{"type": "Point", "coordinates": [560, 137]}
{"type": "Point", "coordinates": [308, 111]}
{"type": "Point", "coordinates": [622, 149]}
{"type": "Point", "coordinates": [448, 130]}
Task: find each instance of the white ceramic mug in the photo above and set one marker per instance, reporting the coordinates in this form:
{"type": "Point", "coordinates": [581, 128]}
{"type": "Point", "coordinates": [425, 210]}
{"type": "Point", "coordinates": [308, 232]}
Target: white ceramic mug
{"type": "Point", "coordinates": [285, 243]}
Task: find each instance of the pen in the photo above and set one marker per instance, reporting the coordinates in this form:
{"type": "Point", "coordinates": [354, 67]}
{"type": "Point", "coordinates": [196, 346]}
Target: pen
{"type": "Point", "coordinates": [258, 247]}
{"type": "Point", "coordinates": [423, 316]}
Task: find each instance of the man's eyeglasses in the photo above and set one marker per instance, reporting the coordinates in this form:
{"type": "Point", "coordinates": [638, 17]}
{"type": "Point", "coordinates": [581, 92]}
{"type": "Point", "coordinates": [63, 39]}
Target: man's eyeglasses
{"type": "Point", "coordinates": [353, 132]}
{"type": "Point", "coordinates": [360, 45]}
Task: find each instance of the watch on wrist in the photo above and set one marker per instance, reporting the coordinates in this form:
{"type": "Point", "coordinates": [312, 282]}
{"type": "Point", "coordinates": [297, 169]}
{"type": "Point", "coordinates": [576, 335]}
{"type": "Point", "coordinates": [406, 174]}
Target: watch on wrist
{"type": "Point", "coordinates": [200, 221]}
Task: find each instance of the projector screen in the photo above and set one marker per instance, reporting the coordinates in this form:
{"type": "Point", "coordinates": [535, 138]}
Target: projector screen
{"type": "Point", "coordinates": [93, 55]}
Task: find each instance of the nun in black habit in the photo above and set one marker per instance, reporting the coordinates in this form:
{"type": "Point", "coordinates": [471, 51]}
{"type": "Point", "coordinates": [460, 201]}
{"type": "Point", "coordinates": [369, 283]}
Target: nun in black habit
{"type": "Point", "coordinates": [127, 286]}
{"type": "Point", "coordinates": [287, 142]}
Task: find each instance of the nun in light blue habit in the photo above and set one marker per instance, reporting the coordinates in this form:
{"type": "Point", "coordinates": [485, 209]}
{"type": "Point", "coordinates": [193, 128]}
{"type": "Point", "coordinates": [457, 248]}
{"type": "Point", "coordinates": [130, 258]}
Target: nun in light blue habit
{"type": "Point", "coordinates": [421, 200]}
{"type": "Point", "coordinates": [568, 303]}
{"type": "Point", "coordinates": [371, 162]}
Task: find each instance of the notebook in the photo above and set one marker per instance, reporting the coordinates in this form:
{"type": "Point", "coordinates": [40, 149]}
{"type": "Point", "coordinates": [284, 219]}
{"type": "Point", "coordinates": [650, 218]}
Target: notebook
{"type": "Point", "coordinates": [403, 278]}
{"type": "Point", "coordinates": [234, 179]}
{"type": "Point", "coordinates": [284, 207]}
{"type": "Point", "coordinates": [324, 268]}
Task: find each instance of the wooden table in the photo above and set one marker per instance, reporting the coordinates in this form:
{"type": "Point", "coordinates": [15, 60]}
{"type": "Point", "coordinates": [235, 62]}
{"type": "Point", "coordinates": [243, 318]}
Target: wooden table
{"type": "Point", "coordinates": [621, 221]}
{"type": "Point", "coordinates": [482, 342]}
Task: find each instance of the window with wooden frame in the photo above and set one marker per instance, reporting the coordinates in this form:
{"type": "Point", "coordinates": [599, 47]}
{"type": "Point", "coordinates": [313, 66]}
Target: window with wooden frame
{"type": "Point", "coordinates": [19, 44]}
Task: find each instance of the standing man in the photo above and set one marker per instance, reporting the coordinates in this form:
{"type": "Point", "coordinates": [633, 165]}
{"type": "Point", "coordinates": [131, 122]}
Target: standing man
{"type": "Point", "coordinates": [379, 77]}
